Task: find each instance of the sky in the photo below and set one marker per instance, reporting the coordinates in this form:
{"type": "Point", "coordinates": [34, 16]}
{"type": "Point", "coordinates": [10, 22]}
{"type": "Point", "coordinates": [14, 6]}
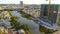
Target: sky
{"type": "Point", "coordinates": [29, 1]}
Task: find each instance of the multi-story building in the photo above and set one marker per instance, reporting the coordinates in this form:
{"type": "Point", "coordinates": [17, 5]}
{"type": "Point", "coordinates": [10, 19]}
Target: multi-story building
{"type": "Point", "coordinates": [33, 10]}
{"type": "Point", "coordinates": [58, 16]}
{"type": "Point", "coordinates": [21, 3]}
{"type": "Point", "coordinates": [11, 6]}
{"type": "Point", "coordinates": [54, 13]}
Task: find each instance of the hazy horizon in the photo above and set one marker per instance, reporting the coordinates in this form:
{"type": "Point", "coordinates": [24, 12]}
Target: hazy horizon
{"type": "Point", "coordinates": [29, 1]}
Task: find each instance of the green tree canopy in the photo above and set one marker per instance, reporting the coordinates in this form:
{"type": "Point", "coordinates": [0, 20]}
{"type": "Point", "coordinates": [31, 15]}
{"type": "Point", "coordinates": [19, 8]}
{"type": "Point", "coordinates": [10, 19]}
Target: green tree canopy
{"type": "Point", "coordinates": [14, 23]}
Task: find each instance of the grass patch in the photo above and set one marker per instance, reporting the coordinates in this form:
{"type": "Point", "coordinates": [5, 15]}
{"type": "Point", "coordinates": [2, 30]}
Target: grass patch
{"type": "Point", "coordinates": [26, 16]}
{"type": "Point", "coordinates": [45, 30]}
{"type": "Point", "coordinates": [0, 17]}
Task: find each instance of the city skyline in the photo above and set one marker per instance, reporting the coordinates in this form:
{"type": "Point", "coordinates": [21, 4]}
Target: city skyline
{"type": "Point", "coordinates": [29, 1]}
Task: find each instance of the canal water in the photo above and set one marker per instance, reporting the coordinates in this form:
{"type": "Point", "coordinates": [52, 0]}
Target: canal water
{"type": "Point", "coordinates": [32, 25]}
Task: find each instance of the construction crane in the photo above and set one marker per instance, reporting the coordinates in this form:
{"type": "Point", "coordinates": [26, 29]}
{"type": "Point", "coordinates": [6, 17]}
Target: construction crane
{"type": "Point", "coordinates": [49, 8]}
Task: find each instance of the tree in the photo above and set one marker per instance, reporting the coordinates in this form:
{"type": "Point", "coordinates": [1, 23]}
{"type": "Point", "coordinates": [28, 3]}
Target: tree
{"type": "Point", "coordinates": [0, 17]}
{"type": "Point", "coordinates": [48, 32]}
{"type": "Point", "coordinates": [14, 23]}
{"type": "Point", "coordinates": [25, 27]}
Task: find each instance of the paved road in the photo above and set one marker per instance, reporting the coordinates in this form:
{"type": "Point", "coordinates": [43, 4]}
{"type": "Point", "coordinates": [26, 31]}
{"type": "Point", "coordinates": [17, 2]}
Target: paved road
{"type": "Point", "coordinates": [33, 26]}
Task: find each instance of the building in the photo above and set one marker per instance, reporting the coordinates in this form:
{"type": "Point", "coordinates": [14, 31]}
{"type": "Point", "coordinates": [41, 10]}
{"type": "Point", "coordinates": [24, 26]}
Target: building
{"type": "Point", "coordinates": [58, 16]}
{"type": "Point", "coordinates": [2, 30]}
{"type": "Point", "coordinates": [33, 10]}
{"type": "Point", "coordinates": [21, 3]}
{"type": "Point", "coordinates": [10, 31]}
{"type": "Point", "coordinates": [5, 20]}
{"type": "Point", "coordinates": [11, 6]}
{"type": "Point", "coordinates": [53, 13]}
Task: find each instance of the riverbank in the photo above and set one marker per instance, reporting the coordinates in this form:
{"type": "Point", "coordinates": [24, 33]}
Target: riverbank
{"type": "Point", "coordinates": [32, 25]}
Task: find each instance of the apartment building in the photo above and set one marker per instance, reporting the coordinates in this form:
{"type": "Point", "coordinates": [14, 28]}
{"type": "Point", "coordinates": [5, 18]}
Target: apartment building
{"type": "Point", "coordinates": [33, 10]}
{"type": "Point", "coordinates": [53, 13]}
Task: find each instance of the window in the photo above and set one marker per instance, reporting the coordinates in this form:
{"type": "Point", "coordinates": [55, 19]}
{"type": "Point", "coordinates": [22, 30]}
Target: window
{"type": "Point", "coordinates": [45, 11]}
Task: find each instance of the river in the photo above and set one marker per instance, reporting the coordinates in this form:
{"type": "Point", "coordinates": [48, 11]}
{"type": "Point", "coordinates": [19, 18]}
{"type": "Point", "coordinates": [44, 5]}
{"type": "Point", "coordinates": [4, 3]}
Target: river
{"type": "Point", "coordinates": [32, 25]}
